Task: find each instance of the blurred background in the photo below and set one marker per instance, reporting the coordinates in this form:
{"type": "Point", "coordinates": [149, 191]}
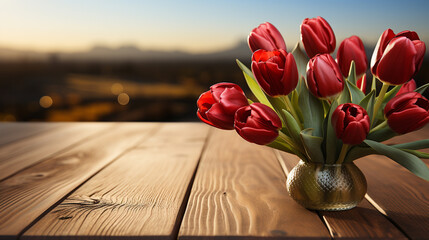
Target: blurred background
{"type": "Point", "coordinates": [150, 60]}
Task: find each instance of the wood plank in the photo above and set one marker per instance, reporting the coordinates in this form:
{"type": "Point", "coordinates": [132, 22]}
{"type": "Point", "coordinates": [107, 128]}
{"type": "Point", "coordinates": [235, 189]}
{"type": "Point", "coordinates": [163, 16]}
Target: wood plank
{"type": "Point", "coordinates": [361, 222]}
{"type": "Point", "coordinates": [140, 194]}
{"type": "Point", "coordinates": [13, 131]}
{"type": "Point", "coordinates": [28, 194]}
{"type": "Point", "coordinates": [402, 196]}
{"type": "Point", "coordinates": [239, 192]}
{"type": "Point", "coordinates": [28, 151]}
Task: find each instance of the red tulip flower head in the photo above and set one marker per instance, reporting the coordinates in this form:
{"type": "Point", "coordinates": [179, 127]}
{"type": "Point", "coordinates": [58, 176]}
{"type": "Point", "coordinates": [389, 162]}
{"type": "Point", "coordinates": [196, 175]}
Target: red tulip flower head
{"type": "Point", "coordinates": [257, 123]}
{"type": "Point", "coordinates": [275, 71]}
{"type": "Point", "coordinates": [407, 112]}
{"type": "Point", "coordinates": [265, 37]}
{"type": "Point", "coordinates": [217, 107]}
{"type": "Point", "coordinates": [352, 49]}
{"type": "Point", "coordinates": [324, 78]}
{"type": "Point", "coordinates": [407, 87]}
{"type": "Point", "coordinates": [351, 123]}
{"type": "Point", "coordinates": [397, 58]}
{"type": "Point", "coordinates": [317, 36]}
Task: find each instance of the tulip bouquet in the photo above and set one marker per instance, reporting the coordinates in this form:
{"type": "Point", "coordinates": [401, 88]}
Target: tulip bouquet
{"type": "Point", "coordinates": [317, 107]}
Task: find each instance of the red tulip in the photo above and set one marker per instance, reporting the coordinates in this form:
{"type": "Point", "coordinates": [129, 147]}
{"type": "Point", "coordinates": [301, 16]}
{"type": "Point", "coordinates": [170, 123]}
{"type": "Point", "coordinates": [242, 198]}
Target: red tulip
{"type": "Point", "coordinates": [361, 83]}
{"type": "Point", "coordinates": [317, 36]}
{"type": "Point", "coordinates": [397, 58]}
{"type": "Point", "coordinates": [352, 49]}
{"type": "Point", "coordinates": [257, 123]}
{"type": "Point", "coordinates": [266, 37]}
{"type": "Point", "coordinates": [407, 112]}
{"type": "Point", "coordinates": [351, 123]}
{"type": "Point", "coordinates": [407, 87]}
{"type": "Point", "coordinates": [324, 78]}
{"type": "Point", "coordinates": [217, 107]}
{"type": "Point", "coordinates": [275, 71]}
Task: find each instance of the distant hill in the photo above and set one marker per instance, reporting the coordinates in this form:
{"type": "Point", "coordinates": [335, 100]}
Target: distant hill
{"type": "Point", "coordinates": [125, 53]}
{"type": "Point", "coordinates": [133, 53]}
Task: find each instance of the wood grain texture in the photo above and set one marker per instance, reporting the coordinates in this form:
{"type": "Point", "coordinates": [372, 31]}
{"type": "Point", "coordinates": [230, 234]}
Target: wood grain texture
{"type": "Point", "coordinates": [239, 192]}
{"type": "Point", "coordinates": [362, 222]}
{"type": "Point", "coordinates": [28, 194]}
{"type": "Point", "coordinates": [403, 196]}
{"type": "Point", "coordinates": [140, 194]}
{"type": "Point", "coordinates": [26, 152]}
{"type": "Point", "coordinates": [13, 131]}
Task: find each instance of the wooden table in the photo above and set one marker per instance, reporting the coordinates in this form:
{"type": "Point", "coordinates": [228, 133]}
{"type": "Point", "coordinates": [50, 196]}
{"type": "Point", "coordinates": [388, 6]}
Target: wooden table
{"type": "Point", "coordinates": [182, 180]}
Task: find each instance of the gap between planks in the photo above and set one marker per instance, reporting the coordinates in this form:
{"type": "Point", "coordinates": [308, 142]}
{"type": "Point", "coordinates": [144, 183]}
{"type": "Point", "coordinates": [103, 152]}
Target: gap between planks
{"type": "Point", "coordinates": [183, 208]}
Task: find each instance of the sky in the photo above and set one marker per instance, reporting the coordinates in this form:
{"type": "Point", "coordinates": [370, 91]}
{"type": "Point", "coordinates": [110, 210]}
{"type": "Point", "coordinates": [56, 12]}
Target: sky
{"type": "Point", "coordinates": [195, 26]}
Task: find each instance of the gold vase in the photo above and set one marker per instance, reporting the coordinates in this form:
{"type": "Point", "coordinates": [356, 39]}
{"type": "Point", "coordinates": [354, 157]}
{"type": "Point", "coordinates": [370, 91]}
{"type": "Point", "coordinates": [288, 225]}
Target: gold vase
{"type": "Point", "coordinates": [329, 187]}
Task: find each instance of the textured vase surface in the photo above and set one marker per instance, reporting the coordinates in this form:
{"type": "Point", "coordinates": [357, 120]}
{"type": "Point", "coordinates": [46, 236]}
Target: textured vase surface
{"type": "Point", "coordinates": [330, 187]}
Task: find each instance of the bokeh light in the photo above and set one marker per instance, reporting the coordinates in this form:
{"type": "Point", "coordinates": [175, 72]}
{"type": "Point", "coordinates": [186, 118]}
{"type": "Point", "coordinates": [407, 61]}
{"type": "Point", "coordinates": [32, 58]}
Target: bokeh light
{"type": "Point", "coordinates": [117, 88]}
{"type": "Point", "coordinates": [46, 101]}
{"type": "Point", "coordinates": [123, 99]}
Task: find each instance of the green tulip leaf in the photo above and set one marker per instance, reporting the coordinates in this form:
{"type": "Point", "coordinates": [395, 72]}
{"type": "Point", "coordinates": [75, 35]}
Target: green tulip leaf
{"type": "Point", "coordinates": [294, 97]}
{"type": "Point", "coordinates": [422, 89]}
{"type": "Point", "coordinates": [352, 73]}
{"type": "Point", "coordinates": [312, 111]}
{"type": "Point", "coordinates": [357, 152]}
{"type": "Point", "coordinates": [417, 153]}
{"type": "Point", "coordinates": [391, 94]}
{"type": "Point", "coordinates": [326, 107]}
{"type": "Point", "coordinates": [278, 105]}
{"type": "Point", "coordinates": [368, 103]}
{"type": "Point", "coordinates": [332, 144]}
{"type": "Point", "coordinates": [293, 127]}
{"type": "Point", "coordinates": [301, 60]}
{"type": "Point", "coordinates": [279, 145]}
{"type": "Point", "coordinates": [345, 96]}
{"type": "Point", "coordinates": [382, 134]}
{"type": "Point", "coordinates": [407, 160]}
{"type": "Point", "coordinates": [420, 144]}
{"type": "Point", "coordinates": [253, 85]}
{"type": "Point", "coordinates": [356, 94]}
{"type": "Point", "coordinates": [312, 145]}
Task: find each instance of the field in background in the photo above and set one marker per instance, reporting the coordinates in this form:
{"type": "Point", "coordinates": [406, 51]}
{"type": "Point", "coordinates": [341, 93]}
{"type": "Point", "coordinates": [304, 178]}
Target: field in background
{"type": "Point", "coordinates": [108, 91]}
{"type": "Point", "coordinates": [163, 90]}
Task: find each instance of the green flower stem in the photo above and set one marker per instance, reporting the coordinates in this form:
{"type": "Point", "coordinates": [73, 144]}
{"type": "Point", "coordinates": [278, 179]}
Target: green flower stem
{"type": "Point", "coordinates": [291, 109]}
{"type": "Point", "coordinates": [343, 153]}
{"type": "Point", "coordinates": [373, 83]}
{"type": "Point", "coordinates": [379, 100]}
{"type": "Point", "coordinates": [295, 148]}
{"type": "Point", "coordinates": [379, 126]}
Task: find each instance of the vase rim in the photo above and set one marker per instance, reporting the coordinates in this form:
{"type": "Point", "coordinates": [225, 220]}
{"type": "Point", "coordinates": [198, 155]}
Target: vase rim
{"type": "Point", "coordinates": [325, 164]}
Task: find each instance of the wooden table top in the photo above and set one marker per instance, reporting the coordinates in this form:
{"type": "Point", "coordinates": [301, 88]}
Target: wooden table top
{"type": "Point", "coordinates": [182, 180]}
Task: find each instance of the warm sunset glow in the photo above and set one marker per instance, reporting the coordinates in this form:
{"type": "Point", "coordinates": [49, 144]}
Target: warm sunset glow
{"type": "Point", "coordinates": [193, 26]}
